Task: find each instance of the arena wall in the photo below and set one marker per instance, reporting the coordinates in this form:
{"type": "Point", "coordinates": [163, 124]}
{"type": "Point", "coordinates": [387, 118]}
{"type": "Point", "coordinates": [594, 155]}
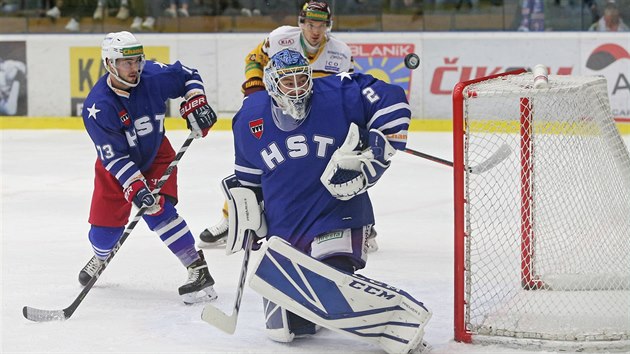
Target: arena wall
{"type": "Point", "coordinates": [61, 69]}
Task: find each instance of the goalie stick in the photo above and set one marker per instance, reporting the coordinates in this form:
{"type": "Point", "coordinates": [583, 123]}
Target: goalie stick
{"type": "Point", "coordinates": [218, 318]}
{"type": "Point", "coordinates": [496, 158]}
{"type": "Point", "coordinates": [39, 315]}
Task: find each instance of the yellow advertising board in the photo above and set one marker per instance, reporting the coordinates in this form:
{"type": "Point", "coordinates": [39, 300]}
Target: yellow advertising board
{"type": "Point", "coordinates": [86, 68]}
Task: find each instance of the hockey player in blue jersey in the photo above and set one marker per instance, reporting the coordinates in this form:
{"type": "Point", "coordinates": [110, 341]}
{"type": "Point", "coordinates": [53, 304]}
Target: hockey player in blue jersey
{"type": "Point", "coordinates": [124, 116]}
{"type": "Point", "coordinates": [326, 54]}
{"type": "Point", "coordinates": [310, 150]}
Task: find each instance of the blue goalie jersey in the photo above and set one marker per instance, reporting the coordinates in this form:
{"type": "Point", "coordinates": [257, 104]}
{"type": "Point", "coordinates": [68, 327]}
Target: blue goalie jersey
{"type": "Point", "coordinates": [288, 165]}
{"type": "Point", "coordinates": [127, 127]}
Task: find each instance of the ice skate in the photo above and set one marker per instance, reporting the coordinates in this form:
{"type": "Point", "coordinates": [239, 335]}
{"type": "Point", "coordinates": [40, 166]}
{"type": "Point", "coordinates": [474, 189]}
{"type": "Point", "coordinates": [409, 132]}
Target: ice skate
{"type": "Point", "coordinates": [198, 287]}
{"type": "Point", "coordinates": [214, 236]}
{"type": "Point", "coordinates": [86, 274]}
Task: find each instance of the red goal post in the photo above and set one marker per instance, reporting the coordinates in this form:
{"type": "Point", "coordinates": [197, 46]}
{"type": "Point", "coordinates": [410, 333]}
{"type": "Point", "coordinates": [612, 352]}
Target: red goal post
{"type": "Point", "coordinates": [542, 239]}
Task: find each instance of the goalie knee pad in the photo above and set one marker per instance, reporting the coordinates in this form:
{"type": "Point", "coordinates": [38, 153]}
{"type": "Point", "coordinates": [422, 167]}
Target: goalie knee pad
{"type": "Point", "coordinates": [348, 244]}
{"type": "Point", "coordinates": [103, 239]}
{"type": "Point", "coordinates": [342, 263]}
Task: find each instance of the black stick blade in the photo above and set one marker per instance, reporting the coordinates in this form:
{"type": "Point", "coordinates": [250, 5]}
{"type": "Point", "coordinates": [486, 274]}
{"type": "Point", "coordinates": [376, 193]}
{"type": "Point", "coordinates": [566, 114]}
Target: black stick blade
{"type": "Point", "coordinates": [37, 315]}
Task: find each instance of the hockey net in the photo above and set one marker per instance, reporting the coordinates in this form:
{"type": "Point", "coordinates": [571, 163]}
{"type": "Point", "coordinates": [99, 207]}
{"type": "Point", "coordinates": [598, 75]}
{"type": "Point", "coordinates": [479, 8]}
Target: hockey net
{"type": "Point", "coordinates": [542, 240]}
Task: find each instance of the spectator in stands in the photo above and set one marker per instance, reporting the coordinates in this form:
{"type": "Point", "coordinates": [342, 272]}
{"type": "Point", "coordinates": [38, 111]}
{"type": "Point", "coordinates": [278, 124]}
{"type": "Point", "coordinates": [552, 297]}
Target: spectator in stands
{"type": "Point", "coordinates": [611, 20]}
{"type": "Point", "coordinates": [150, 10]}
{"type": "Point", "coordinates": [398, 6]}
{"type": "Point", "coordinates": [75, 9]}
{"type": "Point", "coordinates": [593, 9]}
{"type": "Point", "coordinates": [252, 7]}
{"type": "Point", "coordinates": [461, 3]}
{"type": "Point", "coordinates": [173, 11]}
{"type": "Point", "coordinates": [123, 10]}
{"type": "Point", "coordinates": [229, 7]}
{"type": "Point", "coordinates": [9, 7]}
{"type": "Point", "coordinates": [532, 15]}
{"type": "Point", "coordinates": [363, 7]}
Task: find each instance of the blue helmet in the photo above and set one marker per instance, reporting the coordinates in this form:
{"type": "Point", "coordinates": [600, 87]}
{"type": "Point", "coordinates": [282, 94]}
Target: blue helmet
{"type": "Point", "coordinates": [288, 79]}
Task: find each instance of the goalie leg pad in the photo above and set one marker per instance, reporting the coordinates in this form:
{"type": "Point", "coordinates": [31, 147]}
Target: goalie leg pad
{"type": "Point", "coordinates": [351, 304]}
{"type": "Point", "coordinates": [283, 326]}
{"type": "Point", "coordinates": [276, 322]}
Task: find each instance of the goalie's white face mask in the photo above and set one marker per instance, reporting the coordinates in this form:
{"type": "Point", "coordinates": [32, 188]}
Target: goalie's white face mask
{"type": "Point", "coordinates": [288, 79]}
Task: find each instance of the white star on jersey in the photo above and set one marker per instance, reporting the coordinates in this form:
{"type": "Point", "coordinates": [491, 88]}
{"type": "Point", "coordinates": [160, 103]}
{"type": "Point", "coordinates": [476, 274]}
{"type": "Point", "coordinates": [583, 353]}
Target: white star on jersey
{"type": "Point", "coordinates": [344, 75]}
{"type": "Point", "coordinates": [93, 110]}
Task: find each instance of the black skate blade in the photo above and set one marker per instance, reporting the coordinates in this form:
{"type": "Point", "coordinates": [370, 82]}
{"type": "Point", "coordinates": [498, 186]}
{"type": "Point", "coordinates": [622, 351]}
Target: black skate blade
{"type": "Point", "coordinates": [220, 243]}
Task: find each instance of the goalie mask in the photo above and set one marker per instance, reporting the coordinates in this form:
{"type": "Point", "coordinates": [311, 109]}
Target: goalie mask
{"type": "Point", "coordinates": [288, 79]}
{"type": "Point", "coordinates": [121, 45]}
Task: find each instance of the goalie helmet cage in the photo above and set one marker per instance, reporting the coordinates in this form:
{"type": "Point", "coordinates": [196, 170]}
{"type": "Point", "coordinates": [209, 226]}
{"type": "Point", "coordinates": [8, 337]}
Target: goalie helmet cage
{"type": "Point", "coordinates": [542, 240]}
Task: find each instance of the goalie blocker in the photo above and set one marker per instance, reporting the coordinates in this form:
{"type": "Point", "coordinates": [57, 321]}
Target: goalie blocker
{"type": "Point", "coordinates": [350, 304]}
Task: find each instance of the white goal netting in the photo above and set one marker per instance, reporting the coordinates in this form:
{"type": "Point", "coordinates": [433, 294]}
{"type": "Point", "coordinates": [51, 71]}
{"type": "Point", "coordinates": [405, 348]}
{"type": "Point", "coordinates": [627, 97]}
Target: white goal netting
{"type": "Point", "coordinates": [547, 246]}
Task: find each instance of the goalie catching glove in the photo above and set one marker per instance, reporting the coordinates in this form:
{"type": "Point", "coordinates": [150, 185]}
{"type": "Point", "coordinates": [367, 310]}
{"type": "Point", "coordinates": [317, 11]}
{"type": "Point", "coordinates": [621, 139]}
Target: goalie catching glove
{"type": "Point", "coordinates": [350, 171]}
{"type": "Point", "coordinates": [140, 195]}
{"type": "Point", "coordinates": [198, 114]}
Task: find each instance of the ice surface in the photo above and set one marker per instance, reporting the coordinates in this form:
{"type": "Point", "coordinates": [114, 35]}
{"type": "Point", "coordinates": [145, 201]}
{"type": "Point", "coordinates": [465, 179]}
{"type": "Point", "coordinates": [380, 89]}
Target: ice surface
{"type": "Point", "coordinates": [47, 181]}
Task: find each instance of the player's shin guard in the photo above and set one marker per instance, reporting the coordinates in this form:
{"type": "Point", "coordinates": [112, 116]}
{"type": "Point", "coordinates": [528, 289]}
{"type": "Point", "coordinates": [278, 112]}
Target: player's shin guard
{"type": "Point", "coordinates": [103, 239]}
{"type": "Point", "coordinates": [174, 232]}
{"type": "Point", "coordinates": [358, 306]}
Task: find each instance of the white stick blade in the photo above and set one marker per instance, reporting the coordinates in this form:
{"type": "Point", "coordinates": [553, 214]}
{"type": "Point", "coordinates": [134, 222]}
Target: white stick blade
{"type": "Point", "coordinates": [501, 154]}
{"type": "Point", "coordinates": [220, 320]}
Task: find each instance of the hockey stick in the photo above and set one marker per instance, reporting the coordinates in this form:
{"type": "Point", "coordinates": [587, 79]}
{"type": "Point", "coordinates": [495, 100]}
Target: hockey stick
{"type": "Point", "coordinates": [496, 158]}
{"type": "Point", "coordinates": [38, 315]}
{"type": "Point", "coordinates": [218, 318]}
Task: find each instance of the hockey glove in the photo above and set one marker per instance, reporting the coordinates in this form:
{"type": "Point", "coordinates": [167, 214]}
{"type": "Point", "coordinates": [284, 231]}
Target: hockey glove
{"type": "Point", "coordinates": [343, 176]}
{"type": "Point", "coordinates": [350, 172]}
{"type": "Point", "coordinates": [140, 195]}
{"type": "Point", "coordinates": [252, 85]}
{"type": "Point", "coordinates": [198, 114]}
{"type": "Point", "coordinates": [376, 157]}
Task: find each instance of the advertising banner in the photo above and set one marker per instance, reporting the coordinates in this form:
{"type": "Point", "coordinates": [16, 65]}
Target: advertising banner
{"type": "Point", "coordinates": [73, 64]}
{"type": "Point", "coordinates": [612, 60]}
{"type": "Point", "coordinates": [384, 62]}
{"type": "Point", "coordinates": [454, 59]}
{"type": "Point", "coordinates": [13, 83]}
